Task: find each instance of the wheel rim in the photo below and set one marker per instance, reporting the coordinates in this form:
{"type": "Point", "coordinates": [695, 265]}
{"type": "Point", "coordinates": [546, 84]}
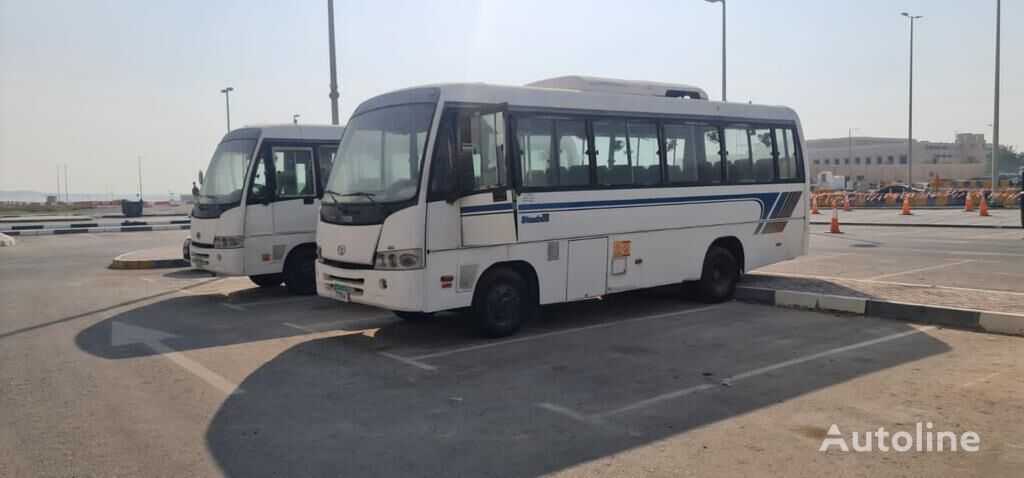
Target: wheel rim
{"type": "Point", "coordinates": [503, 304]}
{"type": "Point", "coordinates": [720, 277]}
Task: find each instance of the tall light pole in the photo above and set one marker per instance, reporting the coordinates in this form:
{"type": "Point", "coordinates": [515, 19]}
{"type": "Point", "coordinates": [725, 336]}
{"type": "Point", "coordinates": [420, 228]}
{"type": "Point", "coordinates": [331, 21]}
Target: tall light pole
{"type": "Point", "coordinates": [58, 184]}
{"type": "Point", "coordinates": [849, 153]}
{"type": "Point", "coordinates": [139, 160]}
{"type": "Point", "coordinates": [67, 194]}
{"type": "Point", "coordinates": [334, 66]}
{"type": "Point", "coordinates": [295, 119]}
{"type": "Point", "coordinates": [723, 43]}
{"type": "Point", "coordinates": [995, 121]}
{"type": "Point", "coordinates": [227, 104]}
{"type": "Point", "coordinates": [910, 104]}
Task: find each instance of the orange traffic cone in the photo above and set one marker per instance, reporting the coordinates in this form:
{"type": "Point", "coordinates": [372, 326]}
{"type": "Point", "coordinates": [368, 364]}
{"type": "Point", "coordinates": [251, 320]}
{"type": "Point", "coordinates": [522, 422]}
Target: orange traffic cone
{"type": "Point", "coordinates": [846, 203]}
{"type": "Point", "coordinates": [906, 206]}
{"type": "Point", "coordinates": [814, 205]}
{"type": "Point", "coordinates": [969, 203]}
{"type": "Point", "coordinates": [983, 207]}
{"type": "Point", "coordinates": [834, 228]}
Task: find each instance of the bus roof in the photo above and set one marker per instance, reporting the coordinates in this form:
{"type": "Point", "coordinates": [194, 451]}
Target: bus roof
{"type": "Point", "coordinates": [594, 99]}
{"type": "Point", "coordinates": [288, 131]}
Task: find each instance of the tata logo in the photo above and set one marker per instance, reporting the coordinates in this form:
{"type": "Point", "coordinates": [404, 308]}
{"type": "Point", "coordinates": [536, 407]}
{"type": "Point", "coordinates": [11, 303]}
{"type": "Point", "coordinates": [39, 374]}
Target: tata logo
{"type": "Point", "coordinates": [535, 219]}
{"type": "Point", "coordinates": [341, 250]}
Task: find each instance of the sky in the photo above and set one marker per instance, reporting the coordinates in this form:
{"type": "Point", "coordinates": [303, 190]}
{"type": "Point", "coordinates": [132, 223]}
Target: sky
{"type": "Point", "coordinates": [96, 84]}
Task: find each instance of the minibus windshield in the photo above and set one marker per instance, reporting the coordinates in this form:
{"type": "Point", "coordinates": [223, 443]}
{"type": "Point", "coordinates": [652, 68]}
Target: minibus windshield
{"type": "Point", "coordinates": [379, 158]}
{"type": "Point", "coordinates": [225, 176]}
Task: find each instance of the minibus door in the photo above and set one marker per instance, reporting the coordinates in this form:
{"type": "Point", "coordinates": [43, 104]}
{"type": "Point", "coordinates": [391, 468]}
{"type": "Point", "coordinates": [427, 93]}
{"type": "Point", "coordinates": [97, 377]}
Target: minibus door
{"type": "Point", "coordinates": [486, 204]}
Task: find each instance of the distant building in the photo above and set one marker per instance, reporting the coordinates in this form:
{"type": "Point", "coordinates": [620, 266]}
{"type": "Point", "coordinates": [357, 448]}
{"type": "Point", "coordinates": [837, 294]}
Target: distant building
{"type": "Point", "coordinates": [874, 162]}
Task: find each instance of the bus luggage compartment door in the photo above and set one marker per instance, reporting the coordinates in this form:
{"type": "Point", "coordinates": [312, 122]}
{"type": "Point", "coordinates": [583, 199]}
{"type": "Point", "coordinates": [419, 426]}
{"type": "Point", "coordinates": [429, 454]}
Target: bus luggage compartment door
{"type": "Point", "coordinates": [588, 268]}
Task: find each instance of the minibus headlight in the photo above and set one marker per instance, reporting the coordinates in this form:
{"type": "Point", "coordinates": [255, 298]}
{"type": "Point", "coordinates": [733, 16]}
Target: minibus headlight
{"type": "Point", "coordinates": [402, 259]}
{"type": "Point", "coordinates": [227, 242]}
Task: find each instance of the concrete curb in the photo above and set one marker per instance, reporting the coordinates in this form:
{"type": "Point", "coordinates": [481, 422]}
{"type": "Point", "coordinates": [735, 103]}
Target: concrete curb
{"type": "Point", "coordinates": [120, 262]}
{"type": "Point", "coordinates": [6, 241]}
{"type": "Point", "coordinates": [970, 319]}
{"type": "Point", "coordinates": [82, 230]}
{"type": "Point", "coordinates": [890, 224]}
{"type": "Point", "coordinates": [37, 227]}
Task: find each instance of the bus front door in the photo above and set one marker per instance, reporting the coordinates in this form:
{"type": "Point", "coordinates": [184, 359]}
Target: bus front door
{"type": "Point", "coordinates": [486, 207]}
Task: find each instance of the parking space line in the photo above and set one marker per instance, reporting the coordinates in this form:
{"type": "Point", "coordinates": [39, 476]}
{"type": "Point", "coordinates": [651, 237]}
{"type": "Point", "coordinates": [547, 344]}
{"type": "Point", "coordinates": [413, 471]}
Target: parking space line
{"type": "Point", "coordinates": [243, 305]}
{"type": "Point", "coordinates": [295, 326]}
{"type": "Point", "coordinates": [762, 370]}
{"type": "Point", "coordinates": [562, 332]}
{"type": "Point", "coordinates": [982, 379]}
{"type": "Point", "coordinates": [232, 306]}
{"type": "Point", "coordinates": [922, 269]}
{"type": "Point", "coordinates": [409, 361]}
{"type": "Point", "coordinates": [183, 291]}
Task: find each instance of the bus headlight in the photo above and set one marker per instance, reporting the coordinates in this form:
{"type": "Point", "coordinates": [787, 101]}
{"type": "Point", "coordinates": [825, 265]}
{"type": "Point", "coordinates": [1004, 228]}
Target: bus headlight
{"type": "Point", "coordinates": [401, 259]}
{"type": "Point", "coordinates": [227, 242]}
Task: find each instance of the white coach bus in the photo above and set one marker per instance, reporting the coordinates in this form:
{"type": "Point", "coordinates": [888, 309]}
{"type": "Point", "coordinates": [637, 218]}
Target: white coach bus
{"type": "Point", "coordinates": [503, 198]}
{"type": "Point", "coordinates": [256, 211]}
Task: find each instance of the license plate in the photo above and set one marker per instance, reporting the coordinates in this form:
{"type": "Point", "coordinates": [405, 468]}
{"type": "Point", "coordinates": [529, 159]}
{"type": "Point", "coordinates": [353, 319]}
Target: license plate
{"type": "Point", "coordinates": [341, 292]}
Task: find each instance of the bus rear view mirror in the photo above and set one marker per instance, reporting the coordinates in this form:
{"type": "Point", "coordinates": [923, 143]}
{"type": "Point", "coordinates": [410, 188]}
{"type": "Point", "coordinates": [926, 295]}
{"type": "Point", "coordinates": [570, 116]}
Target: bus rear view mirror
{"type": "Point", "coordinates": [200, 177]}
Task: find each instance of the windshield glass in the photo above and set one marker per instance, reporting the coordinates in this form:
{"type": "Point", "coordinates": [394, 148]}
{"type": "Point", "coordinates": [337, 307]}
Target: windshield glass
{"type": "Point", "coordinates": [225, 176]}
{"type": "Point", "coordinates": [379, 156]}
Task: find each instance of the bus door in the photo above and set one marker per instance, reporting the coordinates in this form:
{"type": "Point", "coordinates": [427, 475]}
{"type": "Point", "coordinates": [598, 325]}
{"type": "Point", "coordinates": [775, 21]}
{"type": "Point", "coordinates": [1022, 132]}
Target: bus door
{"type": "Point", "coordinates": [295, 194]}
{"type": "Point", "coordinates": [486, 207]}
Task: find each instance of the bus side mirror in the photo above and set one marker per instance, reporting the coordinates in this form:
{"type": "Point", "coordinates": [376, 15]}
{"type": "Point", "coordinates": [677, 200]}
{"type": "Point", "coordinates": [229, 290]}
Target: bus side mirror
{"type": "Point", "coordinates": [200, 177]}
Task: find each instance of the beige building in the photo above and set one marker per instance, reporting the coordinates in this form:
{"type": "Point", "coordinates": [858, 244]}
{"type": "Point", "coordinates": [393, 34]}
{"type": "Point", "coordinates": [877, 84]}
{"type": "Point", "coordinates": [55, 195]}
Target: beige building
{"type": "Point", "coordinates": [870, 162]}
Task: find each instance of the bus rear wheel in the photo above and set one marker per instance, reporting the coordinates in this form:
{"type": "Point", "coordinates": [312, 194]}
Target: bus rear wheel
{"type": "Point", "coordinates": [300, 271]}
{"type": "Point", "coordinates": [502, 303]}
{"type": "Point", "coordinates": [719, 276]}
{"type": "Point", "coordinates": [267, 280]}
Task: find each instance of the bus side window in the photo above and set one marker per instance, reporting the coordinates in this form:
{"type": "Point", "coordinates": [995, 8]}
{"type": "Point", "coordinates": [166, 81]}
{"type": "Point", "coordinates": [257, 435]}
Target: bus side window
{"type": "Point", "coordinates": [709, 162]}
{"type": "Point", "coordinates": [258, 190]}
{"type": "Point", "coordinates": [481, 140]}
{"type": "Point", "coordinates": [293, 169]}
{"type": "Point", "coordinates": [761, 151]}
{"type": "Point", "coordinates": [327, 153]}
{"type": "Point", "coordinates": [784, 144]}
{"type": "Point", "coordinates": [680, 153]}
{"type": "Point", "coordinates": [740, 165]}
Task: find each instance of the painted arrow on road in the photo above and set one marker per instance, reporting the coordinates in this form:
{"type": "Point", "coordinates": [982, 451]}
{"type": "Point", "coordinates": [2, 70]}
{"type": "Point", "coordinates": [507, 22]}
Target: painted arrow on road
{"type": "Point", "coordinates": [126, 334]}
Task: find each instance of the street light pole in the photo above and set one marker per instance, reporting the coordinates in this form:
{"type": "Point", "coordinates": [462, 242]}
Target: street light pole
{"type": "Point", "coordinates": [910, 104]}
{"type": "Point", "coordinates": [139, 159]}
{"type": "Point", "coordinates": [295, 119]}
{"type": "Point", "coordinates": [334, 65]}
{"type": "Point", "coordinates": [723, 43]}
{"type": "Point", "coordinates": [849, 153]}
{"type": "Point", "coordinates": [995, 121]}
{"type": "Point", "coordinates": [227, 104]}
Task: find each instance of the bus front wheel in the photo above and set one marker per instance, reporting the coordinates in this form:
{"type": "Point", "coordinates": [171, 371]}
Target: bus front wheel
{"type": "Point", "coordinates": [502, 303]}
{"type": "Point", "coordinates": [300, 271]}
{"type": "Point", "coordinates": [719, 277]}
{"type": "Point", "coordinates": [267, 280]}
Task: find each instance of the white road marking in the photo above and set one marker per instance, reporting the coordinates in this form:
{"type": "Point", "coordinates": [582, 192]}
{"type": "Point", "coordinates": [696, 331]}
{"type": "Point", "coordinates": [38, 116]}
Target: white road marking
{"type": "Point", "coordinates": [731, 380]}
{"type": "Point", "coordinates": [91, 236]}
{"type": "Point", "coordinates": [232, 306]}
{"type": "Point", "coordinates": [296, 326]}
{"type": "Point", "coordinates": [409, 361]}
{"type": "Point", "coordinates": [350, 321]}
{"type": "Point", "coordinates": [812, 258]}
{"type": "Point", "coordinates": [243, 305]}
{"type": "Point", "coordinates": [183, 291]}
{"type": "Point", "coordinates": [562, 332]}
{"type": "Point", "coordinates": [908, 284]}
{"type": "Point", "coordinates": [922, 269]}
{"type": "Point", "coordinates": [996, 234]}
{"type": "Point", "coordinates": [982, 379]}
{"type": "Point", "coordinates": [149, 279]}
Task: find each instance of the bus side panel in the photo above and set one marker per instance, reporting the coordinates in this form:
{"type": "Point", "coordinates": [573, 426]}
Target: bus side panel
{"type": "Point", "coordinates": [266, 254]}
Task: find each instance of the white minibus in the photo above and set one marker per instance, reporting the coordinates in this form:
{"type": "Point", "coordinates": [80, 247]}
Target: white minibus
{"type": "Point", "coordinates": [256, 210]}
{"type": "Point", "coordinates": [503, 198]}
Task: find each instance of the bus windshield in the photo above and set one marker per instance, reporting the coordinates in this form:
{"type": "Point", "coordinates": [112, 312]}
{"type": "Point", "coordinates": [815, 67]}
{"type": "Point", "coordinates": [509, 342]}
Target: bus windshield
{"type": "Point", "coordinates": [225, 176]}
{"type": "Point", "coordinates": [379, 157]}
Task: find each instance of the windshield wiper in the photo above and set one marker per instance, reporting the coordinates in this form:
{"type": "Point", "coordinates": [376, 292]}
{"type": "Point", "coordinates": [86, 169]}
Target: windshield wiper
{"type": "Point", "coordinates": [368, 196]}
{"type": "Point", "coordinates": [333, 194]}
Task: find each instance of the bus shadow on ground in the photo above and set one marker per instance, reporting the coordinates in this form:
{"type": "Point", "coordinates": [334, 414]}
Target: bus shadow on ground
{"type": "Point", "coordinates": [333, 407]}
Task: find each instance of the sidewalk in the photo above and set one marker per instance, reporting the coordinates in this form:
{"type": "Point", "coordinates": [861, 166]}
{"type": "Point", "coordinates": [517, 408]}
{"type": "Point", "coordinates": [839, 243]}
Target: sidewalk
{"type": "Point", "coordinates": [999, 218]}
{"type": "Point", "coordinates": [916, 294]}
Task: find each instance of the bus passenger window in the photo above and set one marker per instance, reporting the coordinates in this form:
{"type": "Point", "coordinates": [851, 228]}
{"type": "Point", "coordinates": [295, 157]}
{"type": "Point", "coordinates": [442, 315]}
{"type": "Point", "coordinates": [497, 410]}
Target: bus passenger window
{"type": "Point", "coordinates": [643, 152]}
{"type": "Point", "coordinates": [680, 153]}
{"type": "Point", "coordinates": [787, 154]}
{"type": "Point", "coordinates": [709, 163]}
{"type": "Point", "coordinates": [614, 165]}
{"type": "Point", "coordinates": [761, 148]}
{"type": "Point", "coordinates": [573, 163]}
{"type": "Point", "coordinates": [534, 136]}
{"type": "Point", "coordinates": [738, 144]}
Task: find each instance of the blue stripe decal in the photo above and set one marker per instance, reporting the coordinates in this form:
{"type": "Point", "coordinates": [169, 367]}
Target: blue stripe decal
{"type": "Point", "coordinates": [487, 208]}
{"type": "Point", "coordinates": [761, 198]}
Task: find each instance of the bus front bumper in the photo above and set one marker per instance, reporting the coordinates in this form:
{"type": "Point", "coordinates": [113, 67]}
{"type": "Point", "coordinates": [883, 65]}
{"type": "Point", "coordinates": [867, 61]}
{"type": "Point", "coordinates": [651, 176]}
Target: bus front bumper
{"type": "Point", "coordinates": [391, 290]}
{"type": "Point", "coordinates": [222, 261]}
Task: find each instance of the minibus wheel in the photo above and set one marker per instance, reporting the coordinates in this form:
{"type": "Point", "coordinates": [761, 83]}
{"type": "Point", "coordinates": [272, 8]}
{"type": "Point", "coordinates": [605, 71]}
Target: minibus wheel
{"type": "Point", "coordinates": [267, 280]}
{"type": "Point", "coordinates": [719, 276]}
{"type": "Point", "coordinates": [300, 271]}
{"type": "Point", "coordinates": [502, 303]}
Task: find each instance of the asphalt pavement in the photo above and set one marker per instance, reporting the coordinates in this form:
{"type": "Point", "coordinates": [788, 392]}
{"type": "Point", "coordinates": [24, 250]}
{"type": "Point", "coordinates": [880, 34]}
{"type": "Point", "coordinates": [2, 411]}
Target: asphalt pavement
{"type": "Point", "coordinates": [176, 372]}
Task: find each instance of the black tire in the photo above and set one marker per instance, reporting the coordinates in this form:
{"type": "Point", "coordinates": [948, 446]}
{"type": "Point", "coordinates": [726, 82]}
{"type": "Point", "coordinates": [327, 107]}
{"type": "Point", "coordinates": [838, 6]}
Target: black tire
{"type": "Point", "coordinates": [412, 316]}
{"type": "Point", "coordinates": [300, 271]}
{"type": "Point", "coordinates": [719, 276]}
{"type": "Point", "coordinates": [502, 303]}
{"type": "Point", "coordinates": [267, 280]}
